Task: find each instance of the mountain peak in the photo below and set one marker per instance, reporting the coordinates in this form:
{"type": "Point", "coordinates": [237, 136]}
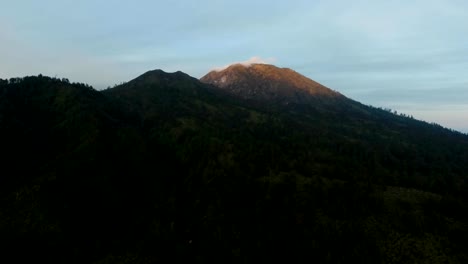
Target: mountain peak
{"type": "Point", "coordinates": [266, 81]}
{"type": "Point", "coordinates": [158, 74]}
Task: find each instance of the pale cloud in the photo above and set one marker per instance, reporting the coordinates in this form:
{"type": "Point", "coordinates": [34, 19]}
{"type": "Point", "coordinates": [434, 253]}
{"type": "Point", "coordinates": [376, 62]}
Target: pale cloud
{"type": "Point", "coordinates": [383, 53]}
{"type": "Point", "coordinates": [248, 63]}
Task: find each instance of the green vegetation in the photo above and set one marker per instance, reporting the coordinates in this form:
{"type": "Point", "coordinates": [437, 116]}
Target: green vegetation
{"type": "Point", "coordinates": [167, 168]}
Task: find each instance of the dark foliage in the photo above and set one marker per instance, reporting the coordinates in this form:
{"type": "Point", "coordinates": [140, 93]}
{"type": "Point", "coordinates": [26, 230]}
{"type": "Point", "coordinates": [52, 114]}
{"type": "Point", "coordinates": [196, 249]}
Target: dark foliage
{"type": "Point", "coordinates": [165, 168]}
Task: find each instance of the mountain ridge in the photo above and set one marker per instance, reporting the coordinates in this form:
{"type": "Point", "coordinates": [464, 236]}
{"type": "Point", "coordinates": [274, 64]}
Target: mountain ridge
{"type": "Point", "coordinates": [189, 170]}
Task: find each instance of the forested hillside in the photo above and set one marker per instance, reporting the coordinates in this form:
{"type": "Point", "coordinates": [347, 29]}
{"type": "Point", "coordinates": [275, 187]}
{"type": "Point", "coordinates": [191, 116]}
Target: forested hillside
{"type": "Point", "coordinates": [165, 167]}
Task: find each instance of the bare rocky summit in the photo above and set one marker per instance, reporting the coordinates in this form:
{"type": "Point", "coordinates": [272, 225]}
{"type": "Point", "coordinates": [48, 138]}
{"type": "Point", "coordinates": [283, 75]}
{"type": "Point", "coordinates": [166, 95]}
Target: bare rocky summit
{"type": "Point", "coordinates": [267, 82]}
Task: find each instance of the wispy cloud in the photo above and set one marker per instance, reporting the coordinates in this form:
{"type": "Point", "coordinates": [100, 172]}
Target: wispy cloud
{"type": "Point", "coordinates": [248, 63]}
{"type": "Point", "coordinates": [377, 52]}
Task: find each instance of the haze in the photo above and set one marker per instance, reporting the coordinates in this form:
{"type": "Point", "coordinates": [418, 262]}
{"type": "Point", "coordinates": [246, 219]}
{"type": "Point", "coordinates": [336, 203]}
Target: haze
{"type": "Point", "coordinates": [408, 56]}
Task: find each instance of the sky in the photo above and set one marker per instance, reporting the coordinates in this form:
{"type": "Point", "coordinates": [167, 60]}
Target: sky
{"type": "Point", "coordinates": [410, 56]}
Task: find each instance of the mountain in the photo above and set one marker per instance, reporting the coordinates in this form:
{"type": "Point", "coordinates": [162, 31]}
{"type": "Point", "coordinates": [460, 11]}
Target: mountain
{"type": "Point", "coordinates": [268, 87]}
{"type": "Point", "coordinates": [267, 82]}
{"type": "Point", "coordinates": [166, 166]}
{"type": "Point", "coordinates": [333, 118]}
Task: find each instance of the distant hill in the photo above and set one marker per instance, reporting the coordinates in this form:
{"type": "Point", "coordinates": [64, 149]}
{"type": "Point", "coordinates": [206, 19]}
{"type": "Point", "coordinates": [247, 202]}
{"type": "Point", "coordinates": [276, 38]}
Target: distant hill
{"type": "Point", "coordinates": [248, 164]}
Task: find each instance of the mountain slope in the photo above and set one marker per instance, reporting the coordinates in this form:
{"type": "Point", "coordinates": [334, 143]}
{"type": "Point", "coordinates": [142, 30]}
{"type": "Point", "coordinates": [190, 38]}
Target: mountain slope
{"type": "Point", "coordinates": [168, 166]}
{"type": "Point", "coordinates": [64, 149]}
{"type": "Point", "coordinates": [268, 82]}
{"type": "Point", "coordinates": [282, 89]}
{"type": "Point", "coordinates": [347, 124]}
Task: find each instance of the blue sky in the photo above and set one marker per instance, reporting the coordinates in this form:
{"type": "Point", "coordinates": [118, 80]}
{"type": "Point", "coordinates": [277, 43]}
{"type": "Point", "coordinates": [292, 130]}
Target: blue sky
{"type": "Point", "coordinates": [411, 56]}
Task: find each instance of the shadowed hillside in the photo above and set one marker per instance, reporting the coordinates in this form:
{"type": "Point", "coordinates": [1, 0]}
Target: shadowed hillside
{"type": "Point", "coordinates": [271, 166]}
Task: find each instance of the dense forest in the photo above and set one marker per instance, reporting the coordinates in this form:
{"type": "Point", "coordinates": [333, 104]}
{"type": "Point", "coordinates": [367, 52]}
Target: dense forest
{"type": "Point", "coordinates": [167, 168]}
